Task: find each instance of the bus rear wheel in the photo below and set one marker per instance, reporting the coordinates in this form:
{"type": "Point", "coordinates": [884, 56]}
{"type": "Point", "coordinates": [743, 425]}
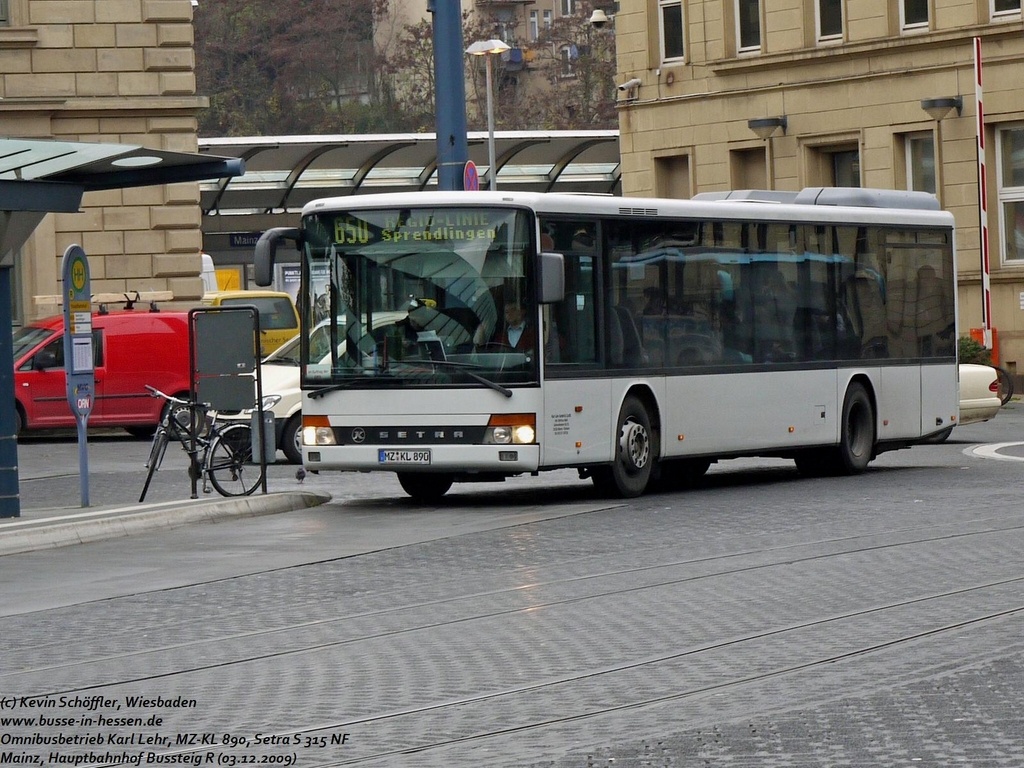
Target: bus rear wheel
{"type": "Point", "coordinates": [425, 487]}
{"type": "Point", "coordinates": [635, 454]}
{"type": "Point", "coordinates": [856, 440]}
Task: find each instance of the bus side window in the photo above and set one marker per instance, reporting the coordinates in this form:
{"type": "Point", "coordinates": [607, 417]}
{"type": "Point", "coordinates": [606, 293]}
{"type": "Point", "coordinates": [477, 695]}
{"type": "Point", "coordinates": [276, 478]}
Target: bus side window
{"type": "Point", "coordinates": [573, 319]}
{"type": "Point", "coordinates": [863, 299]}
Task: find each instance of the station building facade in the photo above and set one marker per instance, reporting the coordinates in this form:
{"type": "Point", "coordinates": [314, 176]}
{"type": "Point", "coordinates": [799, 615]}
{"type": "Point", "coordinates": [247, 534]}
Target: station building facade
{"type": "Point", "coordinates": [118, 71]}
{"type": "Point", "coordinates": [876, 93]}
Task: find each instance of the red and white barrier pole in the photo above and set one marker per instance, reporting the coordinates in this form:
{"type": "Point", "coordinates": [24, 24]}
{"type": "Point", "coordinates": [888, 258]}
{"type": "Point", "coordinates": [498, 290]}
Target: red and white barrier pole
{"type": "Point", "coordinates": [986, 286]}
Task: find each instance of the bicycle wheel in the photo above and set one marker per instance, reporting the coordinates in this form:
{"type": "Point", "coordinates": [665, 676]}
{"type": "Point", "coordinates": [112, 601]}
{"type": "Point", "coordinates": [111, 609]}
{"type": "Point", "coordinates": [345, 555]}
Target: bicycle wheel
{"type": "Point", "coordinates": [229, 462]}
{"type": "Point", "coordinates": [1005, 384]}
{"type": "Point", "coordinates": [158, 448]}
{"type": "Point", "coordinates": [156, 456]}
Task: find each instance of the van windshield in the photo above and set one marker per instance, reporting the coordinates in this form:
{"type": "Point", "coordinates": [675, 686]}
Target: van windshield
{"type": "Point", "coordinates": [275, 313]}
{"type": "Point", "coordinates": [27, 337]}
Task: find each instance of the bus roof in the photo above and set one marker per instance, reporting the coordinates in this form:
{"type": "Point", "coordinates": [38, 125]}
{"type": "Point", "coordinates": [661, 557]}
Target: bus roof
{"type": "Point", "coordinates": [839, 205]}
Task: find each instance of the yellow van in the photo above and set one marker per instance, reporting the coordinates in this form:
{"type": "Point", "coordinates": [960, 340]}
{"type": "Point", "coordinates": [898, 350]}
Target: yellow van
{"type": "Point", "coordinates": [279, 320]}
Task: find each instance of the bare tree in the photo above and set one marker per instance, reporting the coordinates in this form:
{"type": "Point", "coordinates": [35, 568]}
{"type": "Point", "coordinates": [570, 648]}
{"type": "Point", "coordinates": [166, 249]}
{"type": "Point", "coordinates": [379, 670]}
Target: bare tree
{"type": "Point", "coordinates": [351, 66]}
{"type": "Point", "coordinates": [578, 63]}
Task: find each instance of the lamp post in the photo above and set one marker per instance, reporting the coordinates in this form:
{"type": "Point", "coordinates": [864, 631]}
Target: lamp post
{"type": "Point", "coordinates": [488, 48]}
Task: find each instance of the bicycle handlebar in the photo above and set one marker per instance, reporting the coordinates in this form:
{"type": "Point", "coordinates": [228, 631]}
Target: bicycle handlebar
{"type": "Point", "coordinates": [154, 392]}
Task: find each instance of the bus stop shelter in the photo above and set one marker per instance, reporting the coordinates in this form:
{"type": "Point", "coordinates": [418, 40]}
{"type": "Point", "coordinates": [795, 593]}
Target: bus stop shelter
{"type": "Point", "coordinates": [39, 177]}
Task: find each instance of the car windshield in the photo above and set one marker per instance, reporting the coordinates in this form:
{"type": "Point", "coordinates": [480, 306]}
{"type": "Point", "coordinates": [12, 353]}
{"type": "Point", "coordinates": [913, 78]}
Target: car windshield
{"type": "Point", "coordinates": [431, 296]}
{"type": "Point", "coordinates": [286, 354]}
{"type": "Point", "coordinates": [27, 337]}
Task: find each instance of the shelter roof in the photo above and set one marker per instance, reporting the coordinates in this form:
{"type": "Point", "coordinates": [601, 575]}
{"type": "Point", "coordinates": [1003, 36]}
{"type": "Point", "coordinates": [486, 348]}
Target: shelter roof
{"type": "Point", "coordinates": [38, 176]}
{"type": "Point", "coordinates": [283, 173]}
{"type": "Point", "coordinates": [106, 166]}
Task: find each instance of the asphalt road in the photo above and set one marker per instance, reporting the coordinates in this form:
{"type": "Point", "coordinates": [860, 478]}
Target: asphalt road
{"type": "Point", "coordinates": [763, 619]}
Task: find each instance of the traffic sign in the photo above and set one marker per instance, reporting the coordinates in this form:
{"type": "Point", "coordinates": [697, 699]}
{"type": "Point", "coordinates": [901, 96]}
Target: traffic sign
{"type": "Point", "coordinates": [470, 177]}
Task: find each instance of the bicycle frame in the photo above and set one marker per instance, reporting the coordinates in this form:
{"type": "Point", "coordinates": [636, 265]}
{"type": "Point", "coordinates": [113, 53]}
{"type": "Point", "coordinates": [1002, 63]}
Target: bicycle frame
{"type": "Point", "coordinates": [222, 455]}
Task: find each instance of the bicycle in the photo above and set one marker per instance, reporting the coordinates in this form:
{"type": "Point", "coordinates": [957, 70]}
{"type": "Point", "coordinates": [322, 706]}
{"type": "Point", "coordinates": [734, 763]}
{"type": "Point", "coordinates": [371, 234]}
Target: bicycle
{"type": "Point", "coordinates": [1005, 384]}
{"type": "Point", "coordinates": [221, 454]}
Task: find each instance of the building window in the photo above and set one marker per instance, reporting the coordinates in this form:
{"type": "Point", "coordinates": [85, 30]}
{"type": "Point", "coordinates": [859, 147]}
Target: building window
{"type": "Point", "coordinates": [569, 56]}
{"type": "Point", "coordinates": [920, 151]}
{"type": "Point", "coordinates": [846, 168]}
{"type": "Point", "coordinates": [534, 32]}
{"type": "Point", "coordinates": [568, 7]}
{"type": "Point", "coordinates": [830, 19]}
{"type": "Point", "coordinates": [671, 13]}
{"type": "Point", "coordinates": [1002, 8]}
{"type": "Point", "coordinates": [749, 168]}
{"type": "Point", "coordinates": [914, 14]}
{"type": "Point", "coordinates": [5, 18]}
{"type": "Point", "coordinates": [834, 165]}
{"type": "Point", "coordinates": [748, 25]}
{"type": "Point", "coordinates": [1011, 193]}
{"type": "Point", "coordinates": [547, 19]}
{"type": "Point", "coordinates": [672, 177]}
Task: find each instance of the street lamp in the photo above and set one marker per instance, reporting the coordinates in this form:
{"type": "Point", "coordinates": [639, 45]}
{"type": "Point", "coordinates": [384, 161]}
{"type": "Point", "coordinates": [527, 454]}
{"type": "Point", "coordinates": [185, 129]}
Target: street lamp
{"type": "Point", "coordinates": [487, 48]}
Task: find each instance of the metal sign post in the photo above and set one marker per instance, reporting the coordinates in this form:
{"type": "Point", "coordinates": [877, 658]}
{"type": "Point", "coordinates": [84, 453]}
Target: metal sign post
{"type": "Point", "coordinates": [78, 359]}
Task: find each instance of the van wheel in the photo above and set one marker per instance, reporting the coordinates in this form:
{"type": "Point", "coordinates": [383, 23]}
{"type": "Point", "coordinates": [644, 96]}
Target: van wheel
{"type": "Point", "coordinates": [425, 487]}
{"type": "Point", "coordinates": [291, 439]}
{"type": "Point", "coordinates": [635, 454]}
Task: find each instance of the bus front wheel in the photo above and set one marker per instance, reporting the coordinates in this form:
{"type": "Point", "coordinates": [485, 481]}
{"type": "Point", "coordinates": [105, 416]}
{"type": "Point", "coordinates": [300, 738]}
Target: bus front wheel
{"type": "Point", "coordinates": [635, 454]}
{"type": "Point", "coordinates": [425, 487]}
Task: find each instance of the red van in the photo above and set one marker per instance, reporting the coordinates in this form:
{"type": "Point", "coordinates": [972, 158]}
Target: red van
{"type": "Point", "coordinates": [131, 348]}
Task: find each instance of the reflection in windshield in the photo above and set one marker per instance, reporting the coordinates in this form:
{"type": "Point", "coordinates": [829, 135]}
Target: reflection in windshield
{"type": "Point", "coordinates": [421, 296]}
{"type": "Point", "coordinates": [26, 337]}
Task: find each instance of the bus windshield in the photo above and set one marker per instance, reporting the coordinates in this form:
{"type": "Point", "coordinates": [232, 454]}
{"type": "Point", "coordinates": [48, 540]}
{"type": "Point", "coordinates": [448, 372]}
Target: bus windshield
{"type": "Point", "coordinates": [419, 297]}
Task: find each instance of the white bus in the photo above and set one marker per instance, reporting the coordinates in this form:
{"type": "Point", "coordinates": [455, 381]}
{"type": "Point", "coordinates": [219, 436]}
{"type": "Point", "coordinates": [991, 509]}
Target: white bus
{"type": "Point", "coordinates": [660, 335]}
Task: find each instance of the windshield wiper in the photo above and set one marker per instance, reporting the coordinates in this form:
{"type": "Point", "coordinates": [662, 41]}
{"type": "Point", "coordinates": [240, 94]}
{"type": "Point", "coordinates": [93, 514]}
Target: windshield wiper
{"type": "Point", "coordinates": [329, 388]}
{"type": "Point", "coordinates": [464, 368]}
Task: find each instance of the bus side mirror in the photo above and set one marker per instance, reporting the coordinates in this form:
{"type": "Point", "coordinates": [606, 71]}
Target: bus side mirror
{"type": "Point", "coordinates": [266, 252]}
{"type": "Point", "coordinates": [552, 278]}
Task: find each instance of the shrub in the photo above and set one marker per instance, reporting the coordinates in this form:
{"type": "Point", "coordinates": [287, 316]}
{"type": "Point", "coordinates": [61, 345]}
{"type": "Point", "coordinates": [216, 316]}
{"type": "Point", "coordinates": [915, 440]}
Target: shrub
{"type": "Point", "coordinates": [972, 351]}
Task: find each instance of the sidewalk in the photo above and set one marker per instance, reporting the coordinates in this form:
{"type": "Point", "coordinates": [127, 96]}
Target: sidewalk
{"type": "Point", "coordinates": [64, 526]}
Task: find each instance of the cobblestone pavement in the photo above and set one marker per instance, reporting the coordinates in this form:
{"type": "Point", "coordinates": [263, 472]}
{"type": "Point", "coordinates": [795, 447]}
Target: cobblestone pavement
{"type": "Point", "coordinates": [760, 620]}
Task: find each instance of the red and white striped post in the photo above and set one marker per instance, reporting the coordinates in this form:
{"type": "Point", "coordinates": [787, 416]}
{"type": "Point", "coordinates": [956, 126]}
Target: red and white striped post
{"type": "Point", "coordinates": [986, 286]}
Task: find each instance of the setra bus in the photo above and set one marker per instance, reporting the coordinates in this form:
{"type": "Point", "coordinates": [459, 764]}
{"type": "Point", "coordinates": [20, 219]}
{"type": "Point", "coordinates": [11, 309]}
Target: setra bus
{"type": "Point", "coordinates": [475, 336]}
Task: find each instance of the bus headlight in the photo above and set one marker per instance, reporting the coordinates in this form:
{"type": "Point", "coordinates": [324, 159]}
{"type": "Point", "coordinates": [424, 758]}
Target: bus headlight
{"type": "Point", "coordinates": [525, 434]}
{"type": "Point", "coordinates": [318, 436]}
{"type": "Point", "coordinates": [511, 429]}
{"type": "Point", "coordinates": [316, 430]}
